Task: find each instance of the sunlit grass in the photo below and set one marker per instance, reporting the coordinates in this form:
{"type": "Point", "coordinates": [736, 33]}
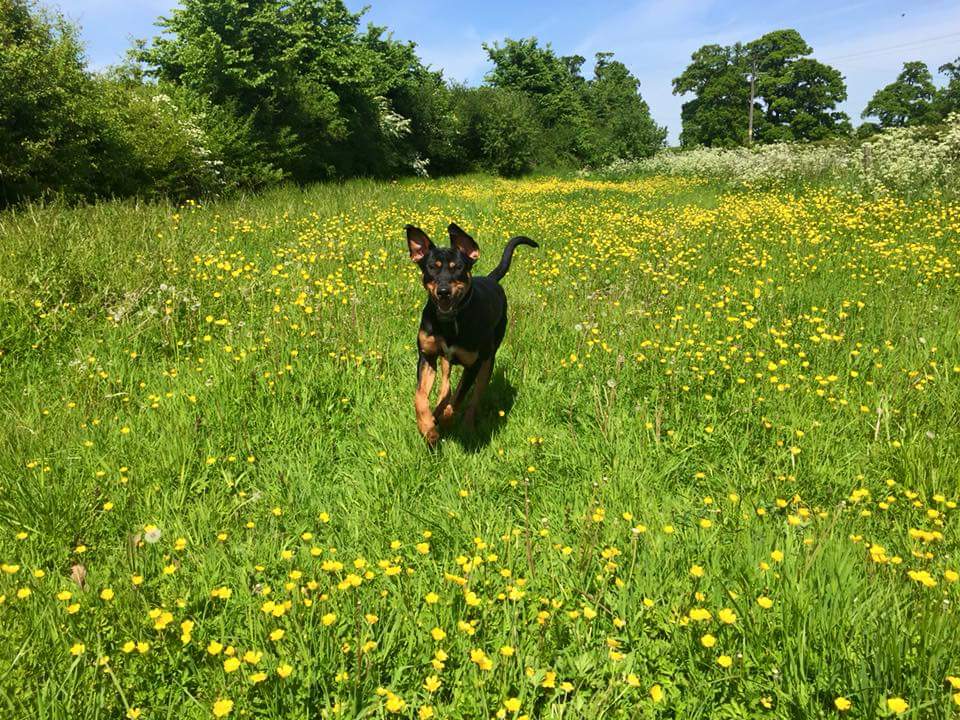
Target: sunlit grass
{"type": "Point", "coordinates": [715, 474]}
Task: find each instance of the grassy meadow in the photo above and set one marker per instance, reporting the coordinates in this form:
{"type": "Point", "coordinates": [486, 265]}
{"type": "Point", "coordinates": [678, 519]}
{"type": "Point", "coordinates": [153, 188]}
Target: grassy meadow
{"type": "Point", "coordinates": [715, 474]}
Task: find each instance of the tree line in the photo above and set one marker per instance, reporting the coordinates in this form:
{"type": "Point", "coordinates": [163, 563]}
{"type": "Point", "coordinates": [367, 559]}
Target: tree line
{"type": "Point", "coordinates": [243, 94]}
{"type": "Point", "coordinates": [771, 90]}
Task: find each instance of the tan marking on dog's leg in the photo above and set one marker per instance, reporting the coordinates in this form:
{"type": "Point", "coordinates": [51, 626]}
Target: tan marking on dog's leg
{"type": "Point", "coordinates": [440, 412]}
{"type": "Point", "coordinates": [483, 378]}
{"type": "Point", "coordinates": [428, 344]}
{"type": "Point", "coordinates": [421, 401]}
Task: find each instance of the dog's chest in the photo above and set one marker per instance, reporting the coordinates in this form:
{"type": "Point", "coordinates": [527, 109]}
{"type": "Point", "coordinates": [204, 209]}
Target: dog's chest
{"type": "Point", "coordinates": [455, 354]}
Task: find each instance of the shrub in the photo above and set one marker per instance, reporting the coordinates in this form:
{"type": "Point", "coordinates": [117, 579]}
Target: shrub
{"type": "Point", "coordinates": [152, 146]}
{"type": "Point", "coordinates": [499, 130]}
{"type": "Point", "coordinates": [912, 158]}
{"type": "Point", "coordinates": [898, 160]}
{"type": "Point", "coordinates": [230, 141]}
{"type": "Point", "coordinates": [68, 132]}
{"type": "Point", "coordinates": [763, 163]}
{"type": "Point", "coordinates": [48, 126]}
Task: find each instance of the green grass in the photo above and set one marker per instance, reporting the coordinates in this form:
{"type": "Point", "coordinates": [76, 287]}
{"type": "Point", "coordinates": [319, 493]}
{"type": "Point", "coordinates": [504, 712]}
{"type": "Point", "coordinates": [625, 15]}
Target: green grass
{"type": "Point", "coordinates": [765, 385]}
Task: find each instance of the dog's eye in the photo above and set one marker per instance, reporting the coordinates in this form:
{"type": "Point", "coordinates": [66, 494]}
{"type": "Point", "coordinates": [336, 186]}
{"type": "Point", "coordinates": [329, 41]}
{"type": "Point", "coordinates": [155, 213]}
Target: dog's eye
{"type": "Point", "coordinates": [438, 264]}
{"type": "Point", "coordinates": [453, 265]}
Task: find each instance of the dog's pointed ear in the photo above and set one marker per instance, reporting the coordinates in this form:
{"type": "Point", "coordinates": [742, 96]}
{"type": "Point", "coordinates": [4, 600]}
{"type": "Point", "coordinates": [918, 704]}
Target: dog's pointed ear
{"type": "Point", "coordinates": [464, 243]}
{"type": "Point", "coordinates": [418, 243]}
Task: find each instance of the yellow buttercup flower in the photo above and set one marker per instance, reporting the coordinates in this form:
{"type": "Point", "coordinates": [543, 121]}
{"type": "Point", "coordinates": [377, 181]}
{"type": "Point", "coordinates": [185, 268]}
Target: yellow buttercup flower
{"type": "Point", "coordinates": [897, 705]}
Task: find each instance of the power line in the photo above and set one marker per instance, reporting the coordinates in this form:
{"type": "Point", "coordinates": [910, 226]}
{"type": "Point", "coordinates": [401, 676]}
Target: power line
{"type": "Point", "coordinates": [900, 46]}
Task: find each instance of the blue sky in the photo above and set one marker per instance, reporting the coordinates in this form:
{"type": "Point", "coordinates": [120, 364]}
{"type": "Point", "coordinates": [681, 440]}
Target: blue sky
{"type": "Point", "coordinates": [867, 40]}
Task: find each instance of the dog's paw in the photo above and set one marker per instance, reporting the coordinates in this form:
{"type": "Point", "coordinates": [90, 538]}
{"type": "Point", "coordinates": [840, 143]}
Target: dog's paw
{"type": "Point", "coordinates": [445, 416]}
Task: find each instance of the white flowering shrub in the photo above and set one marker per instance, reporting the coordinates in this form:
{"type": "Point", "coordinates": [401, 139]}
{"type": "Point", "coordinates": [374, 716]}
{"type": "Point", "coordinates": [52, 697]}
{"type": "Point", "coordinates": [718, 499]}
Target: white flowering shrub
{"type": "Point", "coordinates": [154, 145]}
{"type": "Point", "coordinates": [421, 166]}
{"type": "Point", "coordinates": [898, 160]}
{"type": "Point", "coordinates": [392, 123]}
{"type": "Point", "coordinates": [763, 163]}
{"type": "Point", "coordinates": [903, 159]}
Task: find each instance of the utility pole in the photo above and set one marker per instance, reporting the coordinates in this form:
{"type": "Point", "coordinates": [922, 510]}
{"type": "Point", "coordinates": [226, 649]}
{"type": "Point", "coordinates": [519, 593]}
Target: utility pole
{"type": "Point", "coordinates": [753, 78]}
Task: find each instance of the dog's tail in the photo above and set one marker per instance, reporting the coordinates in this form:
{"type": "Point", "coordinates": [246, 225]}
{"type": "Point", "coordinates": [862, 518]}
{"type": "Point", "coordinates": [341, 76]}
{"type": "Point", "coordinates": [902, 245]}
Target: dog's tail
{"type": "Point", "coordinates": [500, 270]}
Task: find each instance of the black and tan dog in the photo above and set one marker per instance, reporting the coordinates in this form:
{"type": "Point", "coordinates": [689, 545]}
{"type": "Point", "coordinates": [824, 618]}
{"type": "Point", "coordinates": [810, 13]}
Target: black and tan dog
{"type": "Point", "coordinates": [463, 323]}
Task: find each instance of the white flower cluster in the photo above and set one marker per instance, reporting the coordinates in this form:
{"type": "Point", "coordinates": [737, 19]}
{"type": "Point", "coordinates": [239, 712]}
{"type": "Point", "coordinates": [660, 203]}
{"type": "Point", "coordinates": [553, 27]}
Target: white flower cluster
{"type": "Point", "coordinates": [392, 123]}
{"type": "Point", "coordinates": [902, 159]}
{"type": "Point", "coordinates": [420, 166]}
{"type": "Point", "coordinates": [896, 160]}
{"type": "Point", "coordinates": [763, 163]}
{"type": "Point", "coordinates": [189, 127]}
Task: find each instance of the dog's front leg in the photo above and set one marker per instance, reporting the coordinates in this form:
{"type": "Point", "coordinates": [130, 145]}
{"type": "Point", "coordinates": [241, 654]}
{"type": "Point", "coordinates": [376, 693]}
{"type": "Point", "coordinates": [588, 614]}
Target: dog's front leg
{"type": "Point", "coordinates": [426, 374]}
{"type": "Point", "coordinates": [441, 413]}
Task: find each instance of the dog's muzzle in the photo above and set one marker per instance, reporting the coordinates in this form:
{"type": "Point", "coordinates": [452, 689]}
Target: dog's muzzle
{"type": "Point", "coordinates": [446, 306]}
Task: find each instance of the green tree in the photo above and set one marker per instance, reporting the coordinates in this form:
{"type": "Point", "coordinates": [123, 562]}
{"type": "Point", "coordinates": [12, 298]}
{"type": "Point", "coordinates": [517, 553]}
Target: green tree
{"type": "Point", "coordinates": [908, 100]}
{"type": "Point", "coordinates": [48, 123]}
{"type": "Point", "coordinates": [717, 114]}
{"type": "Point", "coordinates": [310, 82]}
{"type": "Point", "coordinates": [498, 130]}
{"type": "Point", "coordinates": [154, 142]}
{"type": "Point", "coordinates": [799, 95]}
{"type": "Point", "coordinates": [66, 131]}
{"type": "Point", "coordinates": [550, 80]}
{"type": "Point", "coordinates": [794, 96]}
{"type": "Point", "coordinates": [948, 98]}
{"type": "Point", "coordinates": [554, 85]}
{"type": "Point", "coordinates": [417, 94]}
{"type": "Point", "coordinates": [585, 121]}
{"type": "Point", "coordinates": [623, 125]}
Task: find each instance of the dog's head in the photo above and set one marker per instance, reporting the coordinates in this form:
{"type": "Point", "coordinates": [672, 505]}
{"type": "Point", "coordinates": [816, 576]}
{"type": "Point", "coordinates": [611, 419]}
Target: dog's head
{"type": "Point", "coordinates": [446, 271]}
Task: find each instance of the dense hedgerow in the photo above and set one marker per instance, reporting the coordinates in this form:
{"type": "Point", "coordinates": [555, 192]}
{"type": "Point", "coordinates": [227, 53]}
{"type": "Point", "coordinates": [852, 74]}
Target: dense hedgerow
{"type": "Point", "coordinates": [240, 96]}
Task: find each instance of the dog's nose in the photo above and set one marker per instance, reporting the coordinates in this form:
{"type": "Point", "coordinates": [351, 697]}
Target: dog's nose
{"type": "Point", "coordinates": [443, 292]}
